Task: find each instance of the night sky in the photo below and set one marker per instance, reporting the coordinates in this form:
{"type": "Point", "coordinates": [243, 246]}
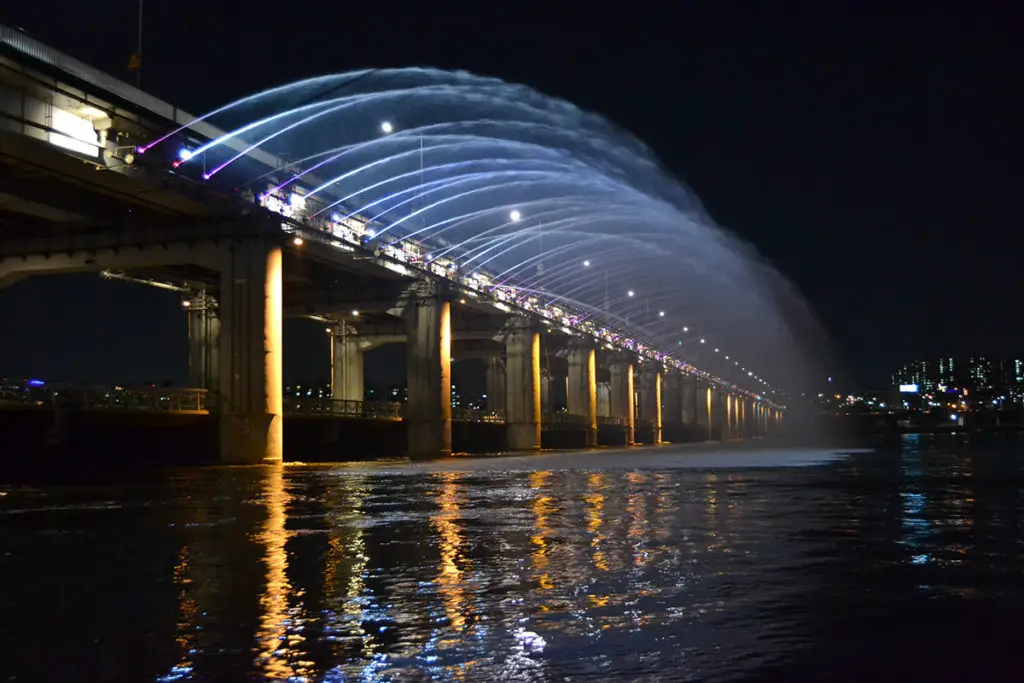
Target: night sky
{"type": "Point", "coordinates": [867, 154]}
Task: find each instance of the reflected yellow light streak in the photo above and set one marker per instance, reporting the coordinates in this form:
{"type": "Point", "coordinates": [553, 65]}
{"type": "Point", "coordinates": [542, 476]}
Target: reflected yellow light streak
{"type": "Point", "coordinates": [595, 518]}
{"type": "Point", "coordinates": [449, 579]}
{"type": "Point", "coordinates": [188, 609]}
{"type": "Point", "coordinates": [278, 644]}
{"type": "Point", "coordinates": [542, 508]}
{"type": "Point", "coordinates": [346, 543]}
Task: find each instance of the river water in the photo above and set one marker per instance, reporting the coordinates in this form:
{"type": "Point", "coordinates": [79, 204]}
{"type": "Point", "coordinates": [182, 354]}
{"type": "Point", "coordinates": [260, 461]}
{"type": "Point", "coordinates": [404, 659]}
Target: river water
{"type": "Point", "coordinates": [671, 564]}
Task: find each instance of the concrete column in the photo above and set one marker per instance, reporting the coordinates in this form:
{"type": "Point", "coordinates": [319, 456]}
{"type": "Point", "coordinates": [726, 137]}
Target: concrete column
{"type": "Point", "coordinates": [496, 384]}
{"type": "Point", "coordinates": [604, 399]}
{"type": "Point", "coordinates": [692, 401]}
{"type": "Point", "coordinates": [730, 415]}
{"type": "Point", "coordinates": [346, 363]}
{"type": "Point", "coordinates": [650, 399]}
{"type": "Point", "coordinates": [203, 342]}
{"type": "Point", "coordinates": [719, 416]}
{"type": "Point", "coordinates": [622, 394]}
{"type": "Point", "coordinates": [672, 397]}
{"type": "Point", "coordinates": [428, 413]}
{"type": "Point", "coordinates": [522, 363]}
{"type": "Point", "coordinates": [545, 391]}
{"type": "Point", "coordinates": [250, 400]}
{"type": "Point", "coordinates": [582, 389]}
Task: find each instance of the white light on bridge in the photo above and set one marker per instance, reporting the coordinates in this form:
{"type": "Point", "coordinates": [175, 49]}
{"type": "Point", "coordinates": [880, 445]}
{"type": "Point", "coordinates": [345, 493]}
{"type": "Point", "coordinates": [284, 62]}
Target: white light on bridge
{"type": "Point", "coordinates": [686, 329]}
{"type": "Point", "coordinates": [586, 264]}
{"type": "Point", "coordinates": [185, 154]}
{"type": "Point", "coordinates": [515, 215]}
{"type": "Point", "coordinates": [661, 314]}
{"type": "Point", "coordinates": [701, 341]}
{"type": "Point", "coordinates": [630, 293]}
{"type": "Point", "coordinates": [386, 127]}
{"type": "Point", "coordinates": [297, 241]}
{"type": "Point", "coordinates": [750, 374]}
{"type": "Point", "coordinates": [355, 312]}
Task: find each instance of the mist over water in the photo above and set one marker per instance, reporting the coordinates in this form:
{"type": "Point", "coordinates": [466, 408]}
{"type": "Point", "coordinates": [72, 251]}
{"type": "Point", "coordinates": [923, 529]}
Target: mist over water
{"type": "Point", "coordinates": [531, 190]}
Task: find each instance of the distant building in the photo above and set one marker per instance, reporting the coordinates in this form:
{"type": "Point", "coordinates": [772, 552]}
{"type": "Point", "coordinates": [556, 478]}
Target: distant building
{"type": "Point", "coordinates": [979, 377]}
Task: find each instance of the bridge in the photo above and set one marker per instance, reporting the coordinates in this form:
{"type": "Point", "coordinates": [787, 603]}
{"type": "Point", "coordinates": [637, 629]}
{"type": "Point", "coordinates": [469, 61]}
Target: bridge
{"type": "Point", "coordinates": [80, 196]}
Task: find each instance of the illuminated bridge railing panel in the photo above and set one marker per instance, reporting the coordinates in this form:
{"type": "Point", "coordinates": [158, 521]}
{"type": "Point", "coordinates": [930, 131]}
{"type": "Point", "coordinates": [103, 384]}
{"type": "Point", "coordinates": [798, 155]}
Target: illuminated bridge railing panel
{"type": "Point", "coordinates": [563, 422]}
{"type": "Point", "coordinates": [609, 421]}
{"type": "Point", "coordinates": [470, 415]}
{"type": "Point", "coordinates": [147, 399]}
{"type": "Point", "coordinates": [331, 407]}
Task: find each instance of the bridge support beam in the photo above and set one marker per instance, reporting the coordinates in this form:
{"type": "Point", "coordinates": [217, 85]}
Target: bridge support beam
{"type": "Point", "coordinates": [523, 381]}
{"type": "Point", "coordinates": [495, 383]}
{"type": "Point", "coordinates": [702, 407]}
{"type": "Point", "coordinates": [203, 342]}
{"type": "Point", "coordinates": [346, 363]}
{"type": "Point", "coordinates": [581, 397]}
{"type": "Point", "coordinates": [251, 392]}
{"type": "Point", "coordinates": [428, 413]}
{"type": "Point", "coordinates": [622, 395]}
{"type": "Point", "coordinates": [650, 399]}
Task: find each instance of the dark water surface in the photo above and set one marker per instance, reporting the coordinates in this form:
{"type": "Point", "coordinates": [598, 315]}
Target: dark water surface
{"type": "Point", "coordinates": [900, 565]}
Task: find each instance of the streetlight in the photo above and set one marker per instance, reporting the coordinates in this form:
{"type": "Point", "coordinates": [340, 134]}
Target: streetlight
{"type": "Point", "coordinates": [515, 215]}
{"type": "Point", "coordinates": [297, 241]}
{"type": "Point", "coordinates": [630, 293]}
{"type": "Point", "coordinates": [661, 314]}
{"type": "Point", "coordinates": [586, 264]}
{"type": "Point", "coordinates": [701, 341]}
{"type": "Point", "coordinates": [686, 329]}
{"type": "Point", "coordinates": [386, 127]}
{"type": "Point", "coordinates": [355, 313]}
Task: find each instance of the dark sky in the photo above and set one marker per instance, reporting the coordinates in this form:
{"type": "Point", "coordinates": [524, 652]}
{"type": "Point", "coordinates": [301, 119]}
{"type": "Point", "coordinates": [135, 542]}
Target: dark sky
{"type": "Point", "coordinates": [866, 152]}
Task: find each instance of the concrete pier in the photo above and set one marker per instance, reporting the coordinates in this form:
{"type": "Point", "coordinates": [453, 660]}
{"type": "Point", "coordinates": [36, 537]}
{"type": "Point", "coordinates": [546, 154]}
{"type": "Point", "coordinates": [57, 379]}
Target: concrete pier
{"type": "Point", "coordinates": [523, 390]}
{"type": "Point", "coordinates": [250, 400]}
{"type": "Point", "coordinates": [582, 389]}
{"type": "Point", "coordinates": [622, 395]}
{"type": "Point", "coordinates": [428, 351]}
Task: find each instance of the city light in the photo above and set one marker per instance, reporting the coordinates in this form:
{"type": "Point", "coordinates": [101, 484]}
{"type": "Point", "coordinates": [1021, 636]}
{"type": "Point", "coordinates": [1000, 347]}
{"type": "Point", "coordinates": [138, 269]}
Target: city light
{"type": "Point", "coordinates": [386, 127]}
{"type": "Point", "coordinates": [297, 241]}
{"type": "Point", "coordinates": [355, 312]}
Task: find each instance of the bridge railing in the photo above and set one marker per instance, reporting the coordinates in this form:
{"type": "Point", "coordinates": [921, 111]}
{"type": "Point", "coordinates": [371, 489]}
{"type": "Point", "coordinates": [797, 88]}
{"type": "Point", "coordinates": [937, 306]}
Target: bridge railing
{"type": "Point", "coordinates": [161, 399]}
{"type": "Point", "coordinates": [339, 407]}
{"type": "Point", "coordinates": [472, 415]}
{"type": "Point", "coordinates": [611, 421]}
{"type": "Point", "coordinates": [562, 421]}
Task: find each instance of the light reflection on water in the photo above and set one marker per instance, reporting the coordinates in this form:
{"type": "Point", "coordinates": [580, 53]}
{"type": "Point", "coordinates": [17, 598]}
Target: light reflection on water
{"type": "Point", "coordinates": [377, 573]}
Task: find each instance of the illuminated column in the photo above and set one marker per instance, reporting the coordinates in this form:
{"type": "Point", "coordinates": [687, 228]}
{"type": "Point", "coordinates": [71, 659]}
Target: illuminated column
{"type": "Point", "coordinates": [691, 400]}
{"type": "Point", "coordinates": [545, 391]}
{"type": "Point", "coordinates": [522, 365]}
{"type": "Point", "coordinates": [251, 393]}
{"type": "Point", "coordinates": [428, 413]}
{"type": "Point", "coordinates": [582, 389]}
{"type": "Point", "coordinates": [346, 364]}
{"type": "Point", "coordinates": [203, 342]}
{"type": "Point", "coordinates": [672, 397]}
{"type": "Point", "coordinates": [496, 384]}
{"type": "Point", "coordinates": [650, 399]}
{"type": "Point", "coordinates": [622, 394]}
{"type": "Point", "coordinates": [719, 417]}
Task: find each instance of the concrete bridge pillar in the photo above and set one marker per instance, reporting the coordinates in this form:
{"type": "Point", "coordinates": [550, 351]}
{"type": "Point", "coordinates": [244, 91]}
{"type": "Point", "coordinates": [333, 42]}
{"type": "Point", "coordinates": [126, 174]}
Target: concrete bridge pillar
{"type": "Point", "coordinates": [672, 397]}
{"type": "Point", "coordinates": [428, 413]}
{"type": "Point", "coordinates": [545, 391]}
{"type": "Point", "coordinates": [604, 399]}
{"type": "Point", "coordinates": [650, 399]}
{"type": "Point", "coordinates": [719, 414]}
{"type": "Point", "coordinates": [495, 383]}
{"type": "Point", "coordinates": [203, 342]}
{"type": "Point", "coordinates": [622, 396]}
{"type": "Point", "coordinates": [581, 398]}
{"type": "Point", "coordinates": [523, 383]}
{"type": "Point", "coordinates": [346, 363]}
{"type": "Point", "coordinates": [690, 399]}
{"type": "Point", "coordinates": [250, 397]}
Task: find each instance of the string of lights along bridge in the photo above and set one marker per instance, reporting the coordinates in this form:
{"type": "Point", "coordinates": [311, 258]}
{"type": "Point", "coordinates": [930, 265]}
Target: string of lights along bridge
{"type": "Point", "coordinates": [522, 198]}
